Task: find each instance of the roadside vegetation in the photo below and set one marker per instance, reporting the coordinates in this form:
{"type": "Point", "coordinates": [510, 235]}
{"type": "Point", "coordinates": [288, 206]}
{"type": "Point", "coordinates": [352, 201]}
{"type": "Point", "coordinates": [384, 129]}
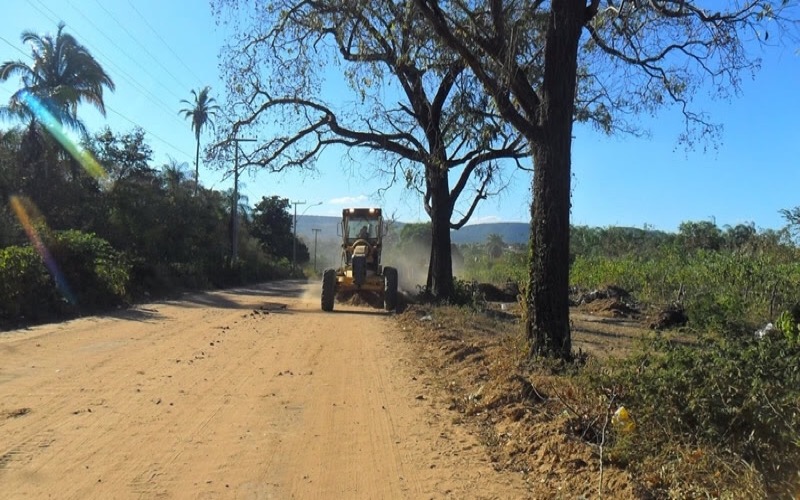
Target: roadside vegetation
{"type": "Point", "coordinates": [76, 244]}
{"type": "Point", "coordinates": [88, 222]}
{"type": "Point", "coordinates": [707, 408]}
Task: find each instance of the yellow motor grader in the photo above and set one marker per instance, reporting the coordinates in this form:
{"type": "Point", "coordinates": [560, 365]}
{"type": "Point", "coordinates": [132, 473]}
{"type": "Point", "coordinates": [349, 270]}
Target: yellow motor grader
{"type": "Point", "coordinates": [361, 271]}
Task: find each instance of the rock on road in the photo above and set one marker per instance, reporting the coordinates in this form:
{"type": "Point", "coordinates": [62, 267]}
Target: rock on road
{"type": "Point", "coordinates": [247, 393]}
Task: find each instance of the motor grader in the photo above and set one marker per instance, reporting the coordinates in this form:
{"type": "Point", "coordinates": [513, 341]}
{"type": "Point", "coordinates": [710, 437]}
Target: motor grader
{"type": "Point", "coordinates": [361, 271]}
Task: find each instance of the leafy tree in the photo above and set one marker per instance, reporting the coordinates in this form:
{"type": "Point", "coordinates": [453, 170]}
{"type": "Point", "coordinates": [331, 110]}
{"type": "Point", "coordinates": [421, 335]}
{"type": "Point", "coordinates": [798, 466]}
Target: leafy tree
{"type": "Point", "coordinates": [9, 176]}
{"type": "Point", "coordinates": [121, 155]}
{"type": "Point", "coordinates": [442, 136]}
{"type": "Point", "coordinates": [619, 241]}
{"type": "Point", "coordinates": [547, 64]}
{"type": "Point", "coordinates": [703, 235]}
{"type": "Point", "coordinates": [272, 227]}
{"type": "Point", "coordinates": [10, 232]}
{"type": "Point", "coordinates": [202, 112]}
{"type": "Point", "coordinates": [415, 235]}
{"type": "Point", "coordinates": [740, 236]}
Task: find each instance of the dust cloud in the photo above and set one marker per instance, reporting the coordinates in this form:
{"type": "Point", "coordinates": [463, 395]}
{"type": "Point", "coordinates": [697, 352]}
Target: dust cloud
{"type": "Point", "coordinates": [411, 262]}
{"type": "Point", "coordinates": [312, 294]}
{"type": "Point", "coordinates": [411, 265]}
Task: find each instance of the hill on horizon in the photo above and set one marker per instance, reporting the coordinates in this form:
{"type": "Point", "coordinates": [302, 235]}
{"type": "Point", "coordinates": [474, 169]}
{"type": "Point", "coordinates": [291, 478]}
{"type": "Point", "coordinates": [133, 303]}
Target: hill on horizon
{"type": "Point", "coordinates": [511, 232]}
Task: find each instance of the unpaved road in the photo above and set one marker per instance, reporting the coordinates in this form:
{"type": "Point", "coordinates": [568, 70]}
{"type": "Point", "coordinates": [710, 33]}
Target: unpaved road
{"type": "Point", "coordinates": [250, 393]}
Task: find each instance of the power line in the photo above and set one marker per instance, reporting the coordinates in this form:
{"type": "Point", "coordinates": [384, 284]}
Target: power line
{"type": "Point", "coordinates": [164, 141]}
{"type": "Point", "coordinates": [153, 98]}
{"type": "Point", "coordinates": [109, 108]}
{"type": "Point", "coordinates": [166, 70]}
{"type": "Point", "coordinates": [123, 51]}
{"type": "Point", "coordinates": [43, 13]}
{"type": "Point", "coordinates": [199, 80]}
{"type": "Point", "coordinates": [16, 48]}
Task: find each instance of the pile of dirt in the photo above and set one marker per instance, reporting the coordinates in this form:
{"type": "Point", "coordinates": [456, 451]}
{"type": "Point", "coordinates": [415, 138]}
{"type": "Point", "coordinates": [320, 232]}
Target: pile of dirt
{"type": "Point", "coordinates": [492, 293]}
{"type": "Point", "coordinates": [613, 308]}
{"type": "Point", "coordinates": [611, 301]}
{"type": "Point", "coordinates": [671, 316]}
{"type": "Point", "coordinates": [606, 292]}
{"type": "Point", "coordinates": [368, 299]}
{"type": "Point", "coordinates": [477, 362]}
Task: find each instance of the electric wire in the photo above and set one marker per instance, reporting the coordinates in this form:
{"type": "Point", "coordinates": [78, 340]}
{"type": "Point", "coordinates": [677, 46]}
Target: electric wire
{"type": "Point", "coordinates": [158, 103]}
{"type": "Point", "coordinates": [108, 107]}
{"type": "Point", "coordinates": [169, 48]}
{"type": "Point", "coordinates": [123, 51]}
{"type": "Point", "coordinates": [109, 61]}
{"type": "Point", "coordinates": [145, 49]}
{"type": "Point", "coordinates": [52, 20]}
{"type": "Point", "coordinates": [14, 47]}
{"type": "Point", "coordinates": [158, 138]}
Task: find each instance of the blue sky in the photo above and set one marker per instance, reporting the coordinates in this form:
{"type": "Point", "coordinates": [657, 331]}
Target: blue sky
{"type": "Point", "coordinates": [157, 51]}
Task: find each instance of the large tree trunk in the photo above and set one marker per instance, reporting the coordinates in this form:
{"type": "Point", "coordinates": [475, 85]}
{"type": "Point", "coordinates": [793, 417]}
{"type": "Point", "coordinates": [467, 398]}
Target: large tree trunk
{"type": "Point", "coordinates": [440, 268]}
{"type": "Point", "coordinates": [547, 324]}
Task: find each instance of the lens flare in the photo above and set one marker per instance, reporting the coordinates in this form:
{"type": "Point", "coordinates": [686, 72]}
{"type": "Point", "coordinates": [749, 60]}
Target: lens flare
{"type": "Point", "coordinates": [18, 206]}
{"type": "Point", "coordinates": [46, 118]}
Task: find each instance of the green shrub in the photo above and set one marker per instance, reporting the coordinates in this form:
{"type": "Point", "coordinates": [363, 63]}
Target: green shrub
{"type": "Point", "coordinates": [96, 273]}
{"type": "Point", "coordinates": [83, 272]}
{"type": "Point", "coordinates": [741, 398]}
{"type": "Point", "coordinates": [26, 289]}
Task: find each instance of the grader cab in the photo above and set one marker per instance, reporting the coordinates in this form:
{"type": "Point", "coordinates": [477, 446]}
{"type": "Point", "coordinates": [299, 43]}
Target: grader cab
{"type": "Point", "coordinates": [361, 271]}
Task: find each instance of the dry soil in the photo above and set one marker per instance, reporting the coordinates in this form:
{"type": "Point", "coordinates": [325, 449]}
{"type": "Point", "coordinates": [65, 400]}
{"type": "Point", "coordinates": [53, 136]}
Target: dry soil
{"type": "Point", "coordinates": [249, 393]}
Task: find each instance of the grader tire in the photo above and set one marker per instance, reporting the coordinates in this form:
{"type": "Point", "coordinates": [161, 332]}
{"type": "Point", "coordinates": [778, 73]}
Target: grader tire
{"type": "Point", "coordinates": [390, 288]}
{"type": "Point", "coordinates": [328, 289]}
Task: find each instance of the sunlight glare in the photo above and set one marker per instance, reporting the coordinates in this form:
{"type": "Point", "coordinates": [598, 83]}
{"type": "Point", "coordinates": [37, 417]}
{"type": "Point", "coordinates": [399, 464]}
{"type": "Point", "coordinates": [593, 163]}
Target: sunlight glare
{"type": "Point", "coordinates": [18, 205]}
{"type": "Point", "coordinates": [46, 118]}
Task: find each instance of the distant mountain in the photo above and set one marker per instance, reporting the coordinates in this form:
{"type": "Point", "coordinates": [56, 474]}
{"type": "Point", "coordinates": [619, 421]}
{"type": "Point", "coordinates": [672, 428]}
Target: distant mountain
{"type": "Point", "coordinates": [511, 232]}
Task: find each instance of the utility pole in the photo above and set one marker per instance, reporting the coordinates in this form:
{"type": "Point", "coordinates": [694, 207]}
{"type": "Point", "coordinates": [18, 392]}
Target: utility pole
{"type": "Point", "coordinates": [316, 232]}
{"type": "Point", "coordinates": [294, 239]}
{"type": "Point", "coordinates": [235, 202]}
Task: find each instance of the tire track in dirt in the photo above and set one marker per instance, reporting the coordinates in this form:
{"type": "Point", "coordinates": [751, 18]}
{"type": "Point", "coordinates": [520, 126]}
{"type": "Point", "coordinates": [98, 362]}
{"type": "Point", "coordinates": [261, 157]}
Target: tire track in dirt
{"type": "Point", "coordinates": [244, 394]}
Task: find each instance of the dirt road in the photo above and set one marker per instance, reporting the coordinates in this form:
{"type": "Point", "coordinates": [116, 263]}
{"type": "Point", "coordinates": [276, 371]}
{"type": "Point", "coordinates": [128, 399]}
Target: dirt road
{"type": "Point", "coordinates": [251, 393]}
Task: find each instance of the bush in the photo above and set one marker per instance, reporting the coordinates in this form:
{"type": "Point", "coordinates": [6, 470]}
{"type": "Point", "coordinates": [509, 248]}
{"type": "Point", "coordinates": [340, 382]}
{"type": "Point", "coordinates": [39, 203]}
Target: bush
{"type": "Point", "coordinates": [737, 398]}
{"type": "Point", "coordinates": [82, 273]}
{"type": "Point", "coordinates": [26, 289]}
{"type": "Point", "coordinates": [96, 273]}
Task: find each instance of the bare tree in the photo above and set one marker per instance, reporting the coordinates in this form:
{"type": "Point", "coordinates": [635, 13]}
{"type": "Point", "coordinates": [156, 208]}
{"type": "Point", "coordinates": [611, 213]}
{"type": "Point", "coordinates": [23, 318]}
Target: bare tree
{"type": "Point", "coordinates": [603, 61]}
{"type": "Point", "coordinates": [413, 104]}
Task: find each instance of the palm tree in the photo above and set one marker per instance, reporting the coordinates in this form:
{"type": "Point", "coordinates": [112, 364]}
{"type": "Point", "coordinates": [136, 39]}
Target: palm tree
{"type": "Point", "coordinates": [203, 110]}
{"type": "Point", "coordinates": [63, 75]}
{"type": "Point", "coordinates": [495, 245]}
{"type": "Point", "coordinates": [173, 175]}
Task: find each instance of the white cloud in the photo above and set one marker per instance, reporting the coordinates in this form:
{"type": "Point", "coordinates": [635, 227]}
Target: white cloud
{"type": "Point", "coordinates": [349, 200]}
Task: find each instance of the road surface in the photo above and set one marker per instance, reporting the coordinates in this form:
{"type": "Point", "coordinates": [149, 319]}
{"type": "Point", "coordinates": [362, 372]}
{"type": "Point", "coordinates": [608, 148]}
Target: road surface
{"type": "Point", "coordinates": [249, 393]}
